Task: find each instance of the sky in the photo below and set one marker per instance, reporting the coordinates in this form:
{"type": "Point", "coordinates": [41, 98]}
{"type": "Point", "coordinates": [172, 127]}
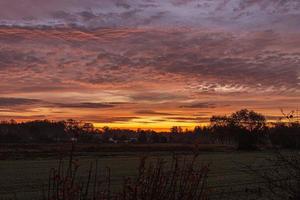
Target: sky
{"type": "Point", "coordinates": [148, 64]}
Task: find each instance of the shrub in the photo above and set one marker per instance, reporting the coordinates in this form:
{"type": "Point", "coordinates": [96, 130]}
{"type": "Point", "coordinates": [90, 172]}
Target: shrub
{"type": "Point", "coordinates": [155, 181]}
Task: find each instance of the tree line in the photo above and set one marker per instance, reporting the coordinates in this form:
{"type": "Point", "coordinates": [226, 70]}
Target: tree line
{"type": "Point", "coordinates": [245, 129]}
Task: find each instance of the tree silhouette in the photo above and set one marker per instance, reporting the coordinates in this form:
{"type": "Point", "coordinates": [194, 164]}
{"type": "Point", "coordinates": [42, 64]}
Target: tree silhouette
{"type": "Point", "coordinates": [244, 126]}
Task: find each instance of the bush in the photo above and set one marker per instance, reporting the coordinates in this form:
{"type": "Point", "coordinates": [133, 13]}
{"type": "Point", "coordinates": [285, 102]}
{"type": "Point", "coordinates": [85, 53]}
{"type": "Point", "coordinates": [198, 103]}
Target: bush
{"type": "Point", "coordinates": [286, 135]}
{"type": "Point", "coordinates": [155, 181]}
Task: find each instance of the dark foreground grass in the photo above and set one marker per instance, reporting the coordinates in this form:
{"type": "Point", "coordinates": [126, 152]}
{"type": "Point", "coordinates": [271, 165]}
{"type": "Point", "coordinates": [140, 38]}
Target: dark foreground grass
{"type": "Point", "coordinates": [30, 151]}
{"type": "Point", "coordinates": [28, 178]}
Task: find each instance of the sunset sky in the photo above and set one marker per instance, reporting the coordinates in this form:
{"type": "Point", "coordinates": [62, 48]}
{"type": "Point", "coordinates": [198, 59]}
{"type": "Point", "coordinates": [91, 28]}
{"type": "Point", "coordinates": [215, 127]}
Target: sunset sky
{"type": "Point", "coordinates": [147, 64]}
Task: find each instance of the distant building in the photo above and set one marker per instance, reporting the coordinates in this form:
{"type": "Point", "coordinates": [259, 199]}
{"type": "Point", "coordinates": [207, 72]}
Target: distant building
{"type": "Point", "coordinates": [111, 140]}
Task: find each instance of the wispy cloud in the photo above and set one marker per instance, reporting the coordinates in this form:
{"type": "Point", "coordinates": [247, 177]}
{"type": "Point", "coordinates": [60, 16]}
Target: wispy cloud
{"type": "Point", "coordinates": [84, 105]}
{"type": "Point", "coordinates": [11, 102]}
{"type": "Point", "coordinates": [152, 112]}
{"type": "Point", "coordinates": [200, 105]}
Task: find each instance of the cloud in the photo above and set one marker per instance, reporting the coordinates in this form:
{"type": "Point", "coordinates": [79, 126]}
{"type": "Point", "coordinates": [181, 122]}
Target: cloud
{"type": "Point", "coordinates": [238, 14]}
{"type": "Point", "coordinates": [84, 105]}
{"type": "Point", "coordinates": [156, 96]}
{"type": "Point", "coordinates": [23, 117]}
{"type": "Point", "coordinates": [13, 58]}
{"type": "Point", "coordinates": [190, 119]}
{"type": "Point", "coordinates": [12, 102]}
{"type": "Point", "coordinates": [86, 15]}
{"type": "Point", "coordinates": [164, 57]}
{"type": "Point", "coordinates": [206, 61]}
{"type": "Point", "coordinates": [152, 112]}
{"type": "Point", "coordinates": [112, 119]}
{"type": "Point", "coordinates": [199, 105]}
{"type": "Point", "coordinates": [123, 5]}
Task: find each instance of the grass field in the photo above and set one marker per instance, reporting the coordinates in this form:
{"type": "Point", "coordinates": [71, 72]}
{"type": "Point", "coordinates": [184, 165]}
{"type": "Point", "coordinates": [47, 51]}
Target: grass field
{"type": "Point", "coordinates": [25, 178]}
{"type": "Point", "coordinates": [33, 151]}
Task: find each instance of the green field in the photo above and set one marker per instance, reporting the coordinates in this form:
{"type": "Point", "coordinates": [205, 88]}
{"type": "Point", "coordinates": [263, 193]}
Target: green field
{"type": "Point", "coordinates": [25, 179]}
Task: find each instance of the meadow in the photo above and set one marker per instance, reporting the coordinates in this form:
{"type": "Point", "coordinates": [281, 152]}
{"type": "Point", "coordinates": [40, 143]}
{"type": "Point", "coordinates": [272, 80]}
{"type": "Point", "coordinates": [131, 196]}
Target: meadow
{"type": "Point", "coordinates": [27, 178]}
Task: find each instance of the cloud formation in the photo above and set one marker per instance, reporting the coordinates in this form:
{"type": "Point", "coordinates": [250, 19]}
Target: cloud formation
{"type": "Point", "coordinates": [255, 14]}
{"type": "Point", "coordinates": [85, 105]}
{"type": "Point", "coordinates": [152, 112]}
{"type": "Point", "coordinates": [148, 61]}
{"type": "Point", "coordinates": [11, 102]}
